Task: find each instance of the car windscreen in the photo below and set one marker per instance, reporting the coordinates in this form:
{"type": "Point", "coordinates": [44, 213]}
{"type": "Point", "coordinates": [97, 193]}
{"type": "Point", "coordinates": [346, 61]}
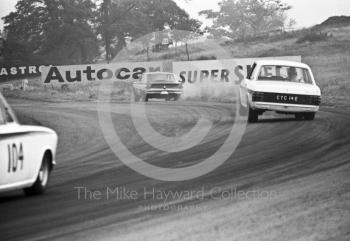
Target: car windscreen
{"type": "Point", "coordinates": [160, 77]}
{"type": "Point", "coordinates": [284, 73]}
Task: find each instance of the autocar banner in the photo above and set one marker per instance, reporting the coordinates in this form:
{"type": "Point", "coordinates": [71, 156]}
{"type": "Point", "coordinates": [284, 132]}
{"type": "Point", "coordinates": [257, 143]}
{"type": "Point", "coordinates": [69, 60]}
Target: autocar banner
{"type": "Point", "coordinates": [97, 72]}
{"type": "Point", "coordinates": [225, 70]}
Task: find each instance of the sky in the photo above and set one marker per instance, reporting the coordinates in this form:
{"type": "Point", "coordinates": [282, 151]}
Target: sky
{"type": "Point", "coordinates": [306, 12]}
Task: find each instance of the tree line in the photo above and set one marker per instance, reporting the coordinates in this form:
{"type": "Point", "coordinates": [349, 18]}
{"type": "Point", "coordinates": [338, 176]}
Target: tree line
{"type": "Point", "coordinates": [79, 31]}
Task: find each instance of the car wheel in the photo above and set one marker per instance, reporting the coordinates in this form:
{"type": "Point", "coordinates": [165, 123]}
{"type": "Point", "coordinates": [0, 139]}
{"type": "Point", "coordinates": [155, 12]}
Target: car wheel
{"type": "Point", "coordinates": [309, 116]}
{"type": "Point", "coordinates": [252, 115]}
{"type": "Point", "coordinates": [42, 179]}
{"type": "Point", "coordinates": [176, 97]}
{"type": "Point", "coordinates": [299, 116]}
{"type": "Point", "coordinates": [146, 98]}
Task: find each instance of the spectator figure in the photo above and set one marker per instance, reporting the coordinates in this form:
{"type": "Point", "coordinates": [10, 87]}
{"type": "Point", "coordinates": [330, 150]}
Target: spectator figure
{"type": "Point", "coordinates": [24, 84]}
{"type": "Point", "coordinates": [292, 74]}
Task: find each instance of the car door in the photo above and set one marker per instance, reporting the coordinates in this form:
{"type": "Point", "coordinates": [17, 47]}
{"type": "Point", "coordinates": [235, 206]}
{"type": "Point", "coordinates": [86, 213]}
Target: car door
{"type": "Point", "coordinates": [13, 169]}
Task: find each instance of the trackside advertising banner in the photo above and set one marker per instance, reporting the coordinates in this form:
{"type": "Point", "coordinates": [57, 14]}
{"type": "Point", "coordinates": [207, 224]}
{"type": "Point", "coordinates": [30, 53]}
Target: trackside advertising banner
{"type": "Point", "coordinates": [19, 72]}
{"type": "Point", "coordinates": [190, 72]}
{"type": "Point", "coordinates": [73, 74]}
{"type": "Point", "coordinates": [226, 70]}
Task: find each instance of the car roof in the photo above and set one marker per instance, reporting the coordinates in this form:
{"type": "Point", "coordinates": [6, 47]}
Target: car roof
{"type": "Point", "coordinates": [282, 62]}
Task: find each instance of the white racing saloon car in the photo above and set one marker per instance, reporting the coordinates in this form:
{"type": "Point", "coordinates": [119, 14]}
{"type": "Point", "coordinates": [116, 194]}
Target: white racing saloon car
{"type": "Point", "coordinates": [282, 86]}
{"type": "Point", "coordinates": [27, 153]}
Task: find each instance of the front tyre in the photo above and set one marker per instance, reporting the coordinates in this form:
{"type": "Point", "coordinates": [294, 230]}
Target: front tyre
{"type": "Point", "coordinates": [252, 115]}
{"type": "Point", "coordinates": [309, 116]}
{"type": "Point", "coordinates": [42, 179]}
{"type": "Point", "coordinates": [146, 97]}
{"type": "Point", "coordinates": [299, 116]}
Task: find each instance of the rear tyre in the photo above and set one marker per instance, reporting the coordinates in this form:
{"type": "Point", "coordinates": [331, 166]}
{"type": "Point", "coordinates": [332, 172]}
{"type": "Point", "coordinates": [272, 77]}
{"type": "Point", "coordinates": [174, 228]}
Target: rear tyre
{"type": "Point", "coordinates": [299, 116]}
{"type": "Point", "coordinates": [146, 98]}
{"type": "Point", "coordinates": [176, 97]}
{"type": "Point", "coordinates": [309, 116]}
{"type": "Point", "coordinates": [42, 179]}
{"type": "Point", "coordinates": [252, 115]}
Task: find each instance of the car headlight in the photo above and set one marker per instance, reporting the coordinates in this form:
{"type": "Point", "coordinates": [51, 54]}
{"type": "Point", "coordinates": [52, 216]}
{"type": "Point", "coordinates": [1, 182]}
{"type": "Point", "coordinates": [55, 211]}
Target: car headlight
{"type": "Point", "coordinates": [257, 96]}
{"type": "Point", "coordinates": [315, 100]}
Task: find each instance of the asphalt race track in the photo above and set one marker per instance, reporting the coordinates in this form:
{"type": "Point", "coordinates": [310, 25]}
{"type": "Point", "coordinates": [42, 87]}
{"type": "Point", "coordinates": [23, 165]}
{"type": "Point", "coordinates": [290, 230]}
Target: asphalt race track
{"type": "Point", "coordinates": [274, 150]}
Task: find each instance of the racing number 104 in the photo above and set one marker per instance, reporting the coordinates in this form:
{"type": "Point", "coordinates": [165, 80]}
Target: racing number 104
{"type": "Point", "coordinates": [15, 157]}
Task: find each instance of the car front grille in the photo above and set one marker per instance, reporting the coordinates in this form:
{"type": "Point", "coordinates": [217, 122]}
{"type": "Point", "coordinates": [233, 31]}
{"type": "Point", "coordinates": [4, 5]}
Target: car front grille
{"type": "Point", "coordinates": [166, 86]}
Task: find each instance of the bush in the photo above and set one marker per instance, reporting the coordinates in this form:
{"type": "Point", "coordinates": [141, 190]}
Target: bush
{"type": "Point", "coordinates": [171, 55]}
{"type": "Point", "coordinates": [206, 57]}
{"type": "Point", "coordinates": [314, 37]}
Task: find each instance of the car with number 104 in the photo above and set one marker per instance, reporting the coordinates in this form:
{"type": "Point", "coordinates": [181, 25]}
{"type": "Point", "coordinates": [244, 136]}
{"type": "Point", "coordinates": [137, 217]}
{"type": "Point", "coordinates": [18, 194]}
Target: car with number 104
{"type": "Point", "coordinates": [27, 153]}
{"type": "Point", "coordinates": [285, 87]}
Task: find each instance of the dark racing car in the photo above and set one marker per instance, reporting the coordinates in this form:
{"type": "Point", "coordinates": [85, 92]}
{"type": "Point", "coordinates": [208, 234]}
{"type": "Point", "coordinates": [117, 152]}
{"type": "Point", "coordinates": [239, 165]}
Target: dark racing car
{"type": "Point", "coordinates": [160, 85]}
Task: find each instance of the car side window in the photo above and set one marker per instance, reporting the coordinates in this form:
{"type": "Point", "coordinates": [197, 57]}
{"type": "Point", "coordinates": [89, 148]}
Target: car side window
{"type": "Point", "coordinates": [306, 76]}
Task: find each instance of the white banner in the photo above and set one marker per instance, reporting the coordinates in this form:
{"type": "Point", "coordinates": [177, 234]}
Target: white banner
{"type": "Point", "coordinates": [97, 72]}
{"type": "Point", "coordinates": [225, 70]}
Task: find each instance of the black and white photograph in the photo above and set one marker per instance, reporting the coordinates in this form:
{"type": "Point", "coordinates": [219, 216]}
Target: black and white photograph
{"type": "Point", "coordinates": [175, 120]}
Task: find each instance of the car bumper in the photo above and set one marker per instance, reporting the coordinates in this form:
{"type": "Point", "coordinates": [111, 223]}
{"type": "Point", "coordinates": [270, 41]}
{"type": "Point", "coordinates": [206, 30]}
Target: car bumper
{"type": "Point", "coordinates": [164, 92]}
{"type": "Point", "coordinates": [292, 108]}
